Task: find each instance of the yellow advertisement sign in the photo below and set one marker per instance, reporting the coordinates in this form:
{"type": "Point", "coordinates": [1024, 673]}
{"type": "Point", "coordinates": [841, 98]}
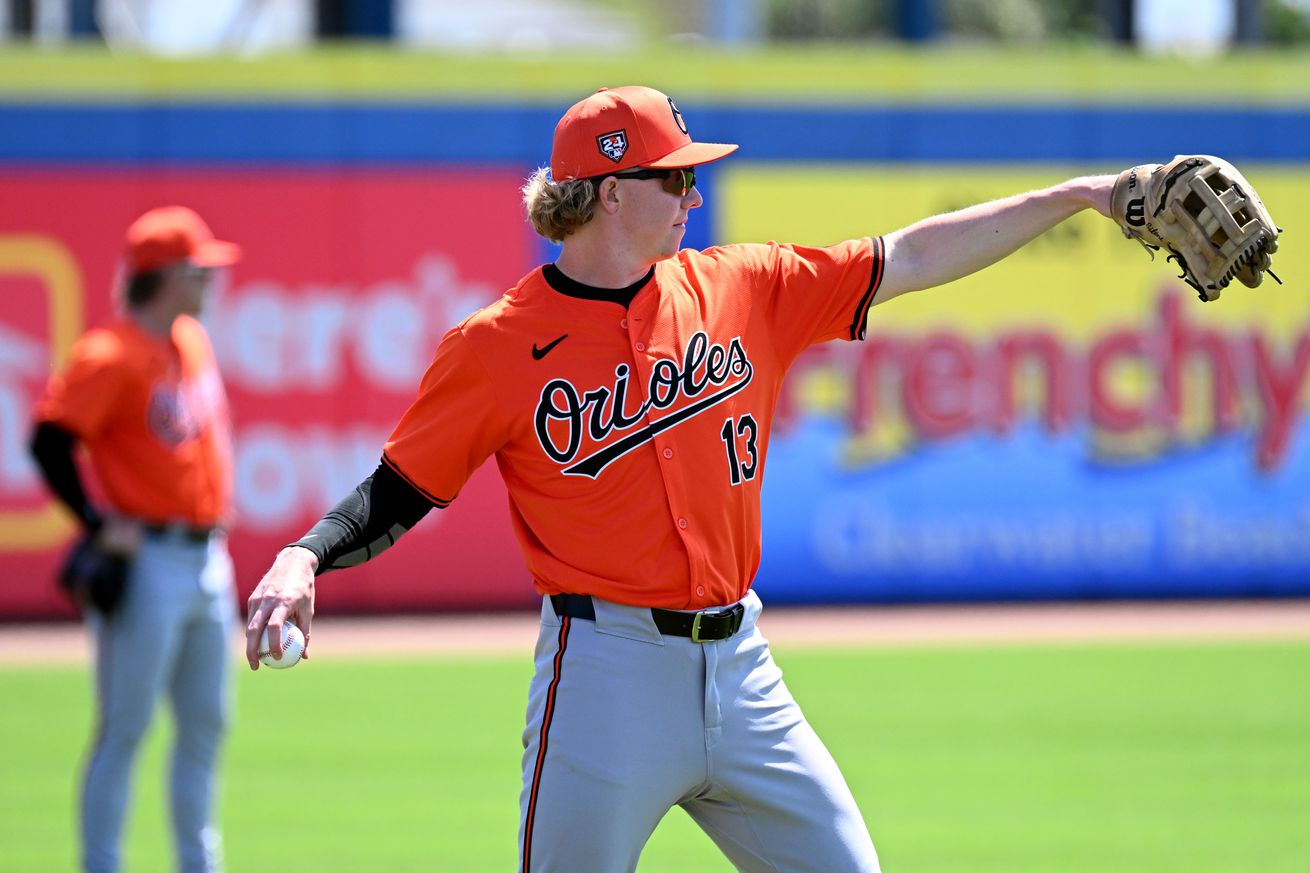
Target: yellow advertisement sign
{"type": "Point", "coordinates": [52, 265]}
{"type": "Point", "coordinates": [1080, 328]}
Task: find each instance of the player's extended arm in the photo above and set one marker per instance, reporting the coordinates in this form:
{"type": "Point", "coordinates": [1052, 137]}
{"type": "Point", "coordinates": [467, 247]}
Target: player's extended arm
{"type": "Point", "coordinates": [946, 247]}
{"type": "Point", "coordinates": [360, 527]}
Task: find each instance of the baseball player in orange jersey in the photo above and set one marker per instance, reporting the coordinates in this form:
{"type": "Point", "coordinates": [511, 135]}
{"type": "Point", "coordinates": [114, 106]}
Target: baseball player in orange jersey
{"type": "Point", "coordinates": [144, 396]}
{"type": "Point", "coordinates": [626, 392]}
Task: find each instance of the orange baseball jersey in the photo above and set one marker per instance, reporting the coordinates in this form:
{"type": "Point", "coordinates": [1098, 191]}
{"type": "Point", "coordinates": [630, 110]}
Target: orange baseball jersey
{"type": "Point", "coordinates": [153, 416]}
{"type": "Point", "coordinates": [632, 442]}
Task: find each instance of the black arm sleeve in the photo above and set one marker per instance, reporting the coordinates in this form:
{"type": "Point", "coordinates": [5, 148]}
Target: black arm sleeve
{"type": "Point", "coordinates": [366, 522]}
{"type": "Point", "coordinates": [52, 449]}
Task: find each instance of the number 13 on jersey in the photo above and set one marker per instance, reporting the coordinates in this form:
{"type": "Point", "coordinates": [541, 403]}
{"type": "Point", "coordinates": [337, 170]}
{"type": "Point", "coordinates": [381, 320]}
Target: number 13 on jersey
{"type": "Point", "coordinates": [741, 464]}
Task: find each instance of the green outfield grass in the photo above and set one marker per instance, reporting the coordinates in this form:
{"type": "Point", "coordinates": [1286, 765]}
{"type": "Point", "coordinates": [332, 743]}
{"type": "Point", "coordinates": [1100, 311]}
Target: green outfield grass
{"type": "Point", "coordinates": [1137, 759]}
{"type": "Point", "coordinates": [832, 74]}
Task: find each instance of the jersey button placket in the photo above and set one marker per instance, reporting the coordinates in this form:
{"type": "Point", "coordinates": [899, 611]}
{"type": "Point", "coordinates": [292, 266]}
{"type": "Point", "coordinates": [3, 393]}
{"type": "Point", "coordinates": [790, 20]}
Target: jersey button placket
{"type": "Point", "coordinates": [642, 364]}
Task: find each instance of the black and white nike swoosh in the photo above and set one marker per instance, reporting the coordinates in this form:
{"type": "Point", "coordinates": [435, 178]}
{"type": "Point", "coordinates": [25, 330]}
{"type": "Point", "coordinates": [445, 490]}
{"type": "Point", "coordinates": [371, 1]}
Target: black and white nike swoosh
{"type": "Point", "coordinates": [539, 353]}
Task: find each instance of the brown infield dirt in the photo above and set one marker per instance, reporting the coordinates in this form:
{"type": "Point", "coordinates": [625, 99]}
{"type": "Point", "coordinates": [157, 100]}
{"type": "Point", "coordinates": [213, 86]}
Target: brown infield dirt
{"type": "Point", "coordinates": [339, 637]}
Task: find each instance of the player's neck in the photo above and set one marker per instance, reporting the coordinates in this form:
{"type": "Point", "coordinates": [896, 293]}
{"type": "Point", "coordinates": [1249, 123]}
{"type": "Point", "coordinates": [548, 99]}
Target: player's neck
{"type": "Point", "coordinates": [593, 261]}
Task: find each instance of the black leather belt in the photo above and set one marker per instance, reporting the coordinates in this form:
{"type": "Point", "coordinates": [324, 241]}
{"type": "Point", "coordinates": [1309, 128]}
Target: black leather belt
{"type": "Point", "coordinates": [705, 626]}
{"type": "Point", "coordinates": [179, 530]}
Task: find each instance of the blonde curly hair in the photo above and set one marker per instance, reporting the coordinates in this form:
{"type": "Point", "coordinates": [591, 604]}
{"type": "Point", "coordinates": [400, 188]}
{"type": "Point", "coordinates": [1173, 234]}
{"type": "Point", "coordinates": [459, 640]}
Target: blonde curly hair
{"type": "Point", "coordinates": [557, 209]}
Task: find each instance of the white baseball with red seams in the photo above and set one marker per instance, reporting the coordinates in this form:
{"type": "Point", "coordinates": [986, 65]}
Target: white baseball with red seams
{"type": "Point", "coordinates": [293, 646]}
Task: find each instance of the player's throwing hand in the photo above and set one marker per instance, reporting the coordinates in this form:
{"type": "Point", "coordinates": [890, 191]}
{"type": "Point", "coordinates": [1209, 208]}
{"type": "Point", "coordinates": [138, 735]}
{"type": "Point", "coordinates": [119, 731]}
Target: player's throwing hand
{"type": "Point", "coordinates": [285, 592]}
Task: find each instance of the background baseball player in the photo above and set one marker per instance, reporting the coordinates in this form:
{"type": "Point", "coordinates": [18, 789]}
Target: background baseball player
{"type": "Point", "coordinates": [144, 396]}
{"type": "Point", "coordinates": [626, 392]}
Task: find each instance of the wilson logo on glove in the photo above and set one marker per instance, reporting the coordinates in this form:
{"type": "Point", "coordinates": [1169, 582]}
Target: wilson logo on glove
{"type": "Point", "coordinates": [1136, 214]}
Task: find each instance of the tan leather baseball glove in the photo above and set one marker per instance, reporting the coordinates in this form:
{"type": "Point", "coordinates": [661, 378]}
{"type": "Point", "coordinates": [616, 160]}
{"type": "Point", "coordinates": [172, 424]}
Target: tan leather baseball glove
{"type": "Point", "coordinates": [1205, 214]}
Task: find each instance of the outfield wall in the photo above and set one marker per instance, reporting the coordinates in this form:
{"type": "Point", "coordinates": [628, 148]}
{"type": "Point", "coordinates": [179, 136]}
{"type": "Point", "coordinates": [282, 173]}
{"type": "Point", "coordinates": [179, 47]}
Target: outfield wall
{"type": "Point", "coordinates": [1071, 423]}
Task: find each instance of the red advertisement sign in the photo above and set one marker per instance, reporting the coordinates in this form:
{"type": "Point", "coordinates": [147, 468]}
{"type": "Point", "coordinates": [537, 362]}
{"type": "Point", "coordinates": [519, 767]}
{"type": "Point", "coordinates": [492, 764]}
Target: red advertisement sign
{"type": "Point", "coordinates": [323, 332]}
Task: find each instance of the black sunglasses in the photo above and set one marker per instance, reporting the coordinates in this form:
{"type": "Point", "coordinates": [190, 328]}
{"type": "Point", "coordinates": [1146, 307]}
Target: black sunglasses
{"type": "Point", "coordinates": [677, 181]}
{"type": "Point", "coordinates": [193, 271]}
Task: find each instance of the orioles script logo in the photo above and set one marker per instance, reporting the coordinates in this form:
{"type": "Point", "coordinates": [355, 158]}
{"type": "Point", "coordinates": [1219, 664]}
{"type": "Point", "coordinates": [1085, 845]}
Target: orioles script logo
{"type": "Point", "coordinates": [705, 367]}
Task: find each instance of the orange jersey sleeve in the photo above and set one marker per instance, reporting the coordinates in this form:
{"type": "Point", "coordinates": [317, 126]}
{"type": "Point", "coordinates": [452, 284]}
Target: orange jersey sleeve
{"type": "Point", "coordinates": [82, 398]}
{"type": "Point", "coordinates": [454, 424]}
{"type": "Point", "coordinates": [811, 294]}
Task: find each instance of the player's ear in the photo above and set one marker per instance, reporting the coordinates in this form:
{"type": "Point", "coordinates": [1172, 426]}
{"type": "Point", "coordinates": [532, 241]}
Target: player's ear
{"type": "Point", "coordinates": [607, 194]}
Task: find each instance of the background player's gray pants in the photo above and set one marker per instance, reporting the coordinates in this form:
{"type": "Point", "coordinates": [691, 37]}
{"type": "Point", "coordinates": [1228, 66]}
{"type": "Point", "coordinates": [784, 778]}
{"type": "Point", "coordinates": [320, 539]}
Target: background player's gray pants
{"type": "Point", "coordinates": [169, 637]}
{"type": "Point", "coordinates": [634, 723]}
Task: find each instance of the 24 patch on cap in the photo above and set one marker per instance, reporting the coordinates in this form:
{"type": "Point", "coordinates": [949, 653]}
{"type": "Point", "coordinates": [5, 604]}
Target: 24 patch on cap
{"type": "Point", "coordinates": [613, 145]}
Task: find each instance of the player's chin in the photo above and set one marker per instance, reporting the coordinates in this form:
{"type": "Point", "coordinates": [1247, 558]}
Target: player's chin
{"type": "Point", "coordinates": [675, 240]}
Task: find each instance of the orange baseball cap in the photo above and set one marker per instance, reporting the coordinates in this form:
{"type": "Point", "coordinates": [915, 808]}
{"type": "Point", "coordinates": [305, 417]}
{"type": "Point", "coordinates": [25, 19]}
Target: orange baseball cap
{"type": "Point", "coordinates": [622, 128]}
{"type": "Point", "coordinates": [171, 234]}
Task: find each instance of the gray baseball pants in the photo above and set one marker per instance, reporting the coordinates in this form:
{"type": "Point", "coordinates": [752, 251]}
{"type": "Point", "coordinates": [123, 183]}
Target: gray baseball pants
{"type": "Point", "coordinates": [625, 723]}
{"type": "Point", "coordinates": [169, 638]}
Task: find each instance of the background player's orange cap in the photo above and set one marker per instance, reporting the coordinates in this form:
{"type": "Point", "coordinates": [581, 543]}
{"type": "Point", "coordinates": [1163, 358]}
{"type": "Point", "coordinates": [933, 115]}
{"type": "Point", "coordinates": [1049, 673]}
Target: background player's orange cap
{"type": "Point", "coordinates": [622, 128]}
{"type": "Point", "coordinates": [171, 234]}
